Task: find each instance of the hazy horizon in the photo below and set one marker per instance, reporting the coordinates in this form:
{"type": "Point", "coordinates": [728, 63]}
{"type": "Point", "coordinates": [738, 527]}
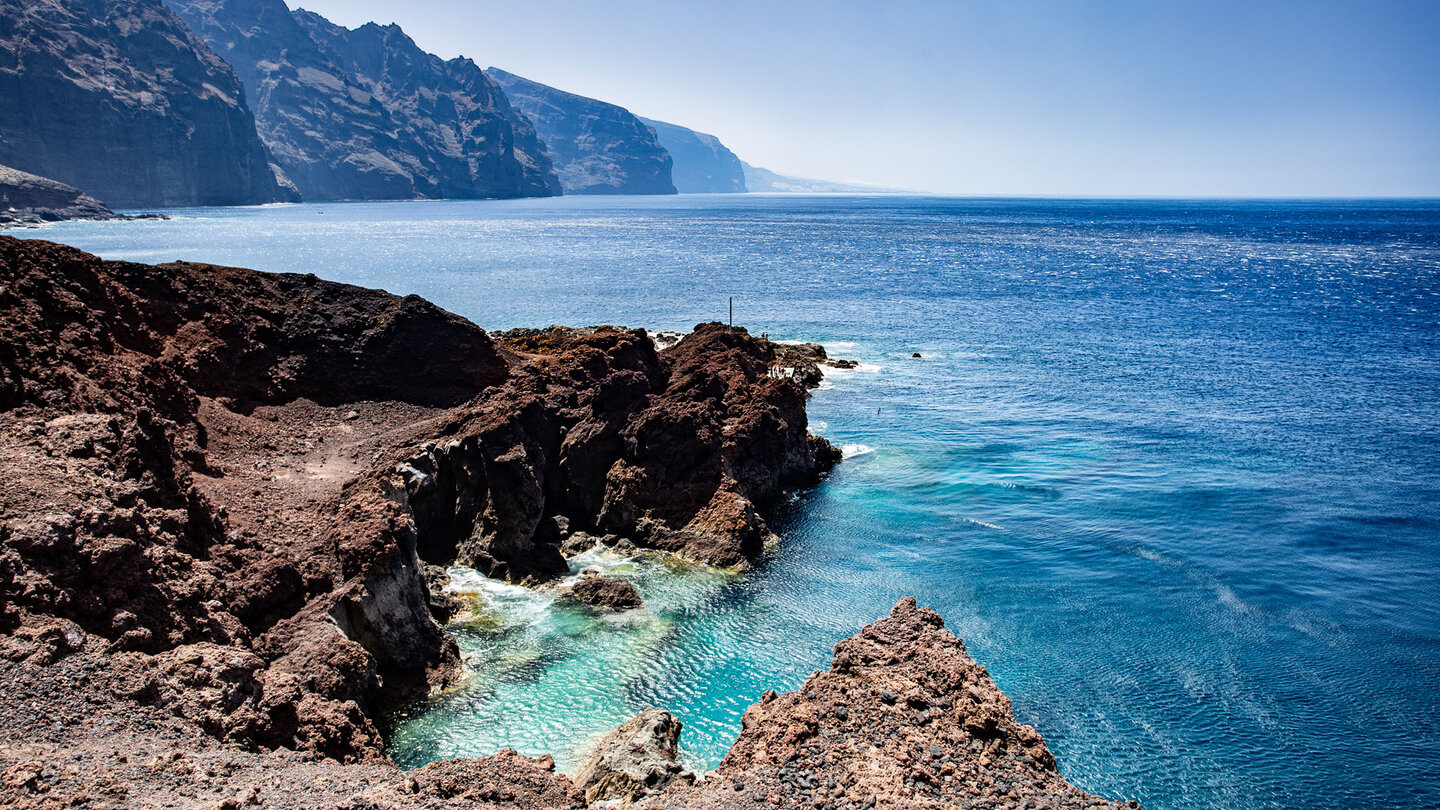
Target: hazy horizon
{"type": "Point", "coordinates": [1218, 99]}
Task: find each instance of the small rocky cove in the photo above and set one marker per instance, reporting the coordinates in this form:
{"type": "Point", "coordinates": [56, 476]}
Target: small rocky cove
{"type": "Point", "coordinates": [244, 505]}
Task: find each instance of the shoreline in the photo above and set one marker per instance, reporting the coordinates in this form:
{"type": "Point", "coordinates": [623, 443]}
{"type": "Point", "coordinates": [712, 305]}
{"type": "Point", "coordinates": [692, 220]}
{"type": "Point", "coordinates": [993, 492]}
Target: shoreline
{"type": "Point", "coordinates": [280, 454]}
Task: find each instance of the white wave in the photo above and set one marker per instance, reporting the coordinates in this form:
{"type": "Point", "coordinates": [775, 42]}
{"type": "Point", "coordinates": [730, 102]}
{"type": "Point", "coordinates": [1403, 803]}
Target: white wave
{"type": "Point", "coordinates": [513, 602]}
{"type": "Point", "coordinates": [982, 524]}
{"type": "Point", "coordinates": [855, 449]}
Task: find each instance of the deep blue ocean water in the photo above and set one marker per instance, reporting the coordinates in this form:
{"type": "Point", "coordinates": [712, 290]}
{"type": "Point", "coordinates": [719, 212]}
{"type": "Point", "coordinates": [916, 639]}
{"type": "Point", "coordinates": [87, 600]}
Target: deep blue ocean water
{"type": "Point", "coordinates": [1171, 468]}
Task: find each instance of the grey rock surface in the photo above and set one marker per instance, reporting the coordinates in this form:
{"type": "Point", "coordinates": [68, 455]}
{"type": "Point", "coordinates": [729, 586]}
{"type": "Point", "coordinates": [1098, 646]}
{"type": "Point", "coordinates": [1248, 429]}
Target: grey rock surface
{"type": "Point", "coordinates": [634, 760]}
{"type": "Point", "coordinates": [122, 100]}
{"type": "Point", "coordinates": [703, 165]}
{"type": "Point", "coordinates": [365, 113]}
{"type": "Point", "coordinates": [28, 199]}
{"type": "Point", "coordinates": [597, 148]}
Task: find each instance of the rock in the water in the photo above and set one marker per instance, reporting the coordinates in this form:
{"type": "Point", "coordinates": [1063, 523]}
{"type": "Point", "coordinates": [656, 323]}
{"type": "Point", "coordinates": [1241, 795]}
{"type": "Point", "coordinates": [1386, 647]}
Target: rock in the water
{"type": "Point", "coordinates": [635, 760]}
{"type": "Point", "coordinates": [27, 199]}
{"type": "Point", "coordinates": [597, 148]}
{"type": "Point", "coordinates": [613, 593]}
{"type": "Point", "coordinates": [702, 163]}
{"type": "Point", "coordinates": [122, 100]}
{"type": "Point", "coordinates": [367, 114]}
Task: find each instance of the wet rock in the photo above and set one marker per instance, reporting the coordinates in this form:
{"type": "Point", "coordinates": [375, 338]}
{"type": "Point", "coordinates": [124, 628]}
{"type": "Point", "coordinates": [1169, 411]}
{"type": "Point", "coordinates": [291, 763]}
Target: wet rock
{"type": "Point", "coordinates": [611, 593]}
{"type": "Point", "coordinates": [638, 758]}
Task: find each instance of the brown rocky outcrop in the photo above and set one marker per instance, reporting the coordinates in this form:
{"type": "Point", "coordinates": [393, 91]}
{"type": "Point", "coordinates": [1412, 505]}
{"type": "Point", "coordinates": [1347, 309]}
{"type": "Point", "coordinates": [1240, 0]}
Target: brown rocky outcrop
{"type": "Point", "coordinates": [227, 493]}
{"type": "Point", "coordinates": [903, 718]}
{"type": "Point", "coordinates": [208, 459]}
{"type": "Point", "coordinates": [682, 451]}
{"type": "Point", "coordinates": [610, 593]}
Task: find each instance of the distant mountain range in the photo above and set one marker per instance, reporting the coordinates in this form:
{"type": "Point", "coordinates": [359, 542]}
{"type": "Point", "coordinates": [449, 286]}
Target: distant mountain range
{"type": "Point", "coordinates": [144, 103]}
{"type": "Point", "coordinates": [764, 180]}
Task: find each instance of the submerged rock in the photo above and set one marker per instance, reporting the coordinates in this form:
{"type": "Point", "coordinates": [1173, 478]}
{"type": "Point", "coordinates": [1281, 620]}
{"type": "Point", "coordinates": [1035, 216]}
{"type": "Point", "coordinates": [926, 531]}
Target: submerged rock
{"type": "Point", "coordinates": [638, 758]}
{"type": "Point", "coordinates": [612, 593]}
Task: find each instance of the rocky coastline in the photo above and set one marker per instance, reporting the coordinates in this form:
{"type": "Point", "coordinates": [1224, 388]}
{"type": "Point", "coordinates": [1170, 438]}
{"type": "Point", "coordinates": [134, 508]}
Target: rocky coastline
{"type": "Point", "coordinates": [229, 493]}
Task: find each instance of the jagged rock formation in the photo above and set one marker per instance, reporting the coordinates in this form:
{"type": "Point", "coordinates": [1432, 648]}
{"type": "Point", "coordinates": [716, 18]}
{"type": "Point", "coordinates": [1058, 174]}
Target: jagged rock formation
{"type": "Point", "coordinates": [122, 100]}
{"type": "Point", "coordinates": [215, 527]}
{"type": "Point", "coordinates": [597, 148]}
{"type": "Point", "coordinates": [217, 470]}
{"type": "Point", "coordinates": [366, 114]}
{"type": "Point", "coordinates": [640, 757]}
{"type": "Point", "coordinates": [903, 719]}
{"type": "Point", "coordinates": [28, 199]}
{"type": "Point", "coordinates": [702, 163]}
{"type": "Point", "coordinates": [682, 452]}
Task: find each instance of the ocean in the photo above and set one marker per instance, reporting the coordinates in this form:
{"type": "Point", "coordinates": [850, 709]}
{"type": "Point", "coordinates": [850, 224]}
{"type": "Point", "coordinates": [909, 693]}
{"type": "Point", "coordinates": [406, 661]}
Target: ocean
{"type": "Point", "coordinates": [1170, 468]}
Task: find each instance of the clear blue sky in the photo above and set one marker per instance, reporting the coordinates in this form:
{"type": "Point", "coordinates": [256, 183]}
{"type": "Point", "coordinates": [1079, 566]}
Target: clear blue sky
{"type": "Point", "coordinates": [1129, 97]}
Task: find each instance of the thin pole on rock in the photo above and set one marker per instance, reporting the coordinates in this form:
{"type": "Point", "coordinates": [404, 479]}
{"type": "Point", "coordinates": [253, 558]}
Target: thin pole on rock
{"type": "Point", "coordinates": [732, 310]}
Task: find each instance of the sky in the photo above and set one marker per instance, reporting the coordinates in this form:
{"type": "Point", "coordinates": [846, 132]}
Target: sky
{"type": "Point", "coordinates": [1005, 97]}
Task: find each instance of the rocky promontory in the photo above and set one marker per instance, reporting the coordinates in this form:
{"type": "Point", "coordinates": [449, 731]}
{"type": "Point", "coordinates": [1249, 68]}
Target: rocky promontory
{"type": "Point", "coordinates": [227, 492]}
{"type": "Point", "coordinates": [703, 165]}
{"type": "Point", "coordinates": [28, 199]}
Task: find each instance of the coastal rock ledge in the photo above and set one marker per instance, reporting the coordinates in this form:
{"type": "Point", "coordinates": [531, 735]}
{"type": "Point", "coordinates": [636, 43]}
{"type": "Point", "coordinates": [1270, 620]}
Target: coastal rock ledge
{"type": "Point", "coordinates": [228, 492]}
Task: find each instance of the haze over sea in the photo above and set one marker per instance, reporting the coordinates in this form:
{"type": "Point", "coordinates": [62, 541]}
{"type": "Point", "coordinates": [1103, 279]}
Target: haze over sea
{"type": "Point", "coordinates": [1171, 469]}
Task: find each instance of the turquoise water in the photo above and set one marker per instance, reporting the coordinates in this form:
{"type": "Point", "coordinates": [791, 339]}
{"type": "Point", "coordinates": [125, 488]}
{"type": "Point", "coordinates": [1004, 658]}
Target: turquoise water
{"type": "Point", "coordinates": [1172, 469]}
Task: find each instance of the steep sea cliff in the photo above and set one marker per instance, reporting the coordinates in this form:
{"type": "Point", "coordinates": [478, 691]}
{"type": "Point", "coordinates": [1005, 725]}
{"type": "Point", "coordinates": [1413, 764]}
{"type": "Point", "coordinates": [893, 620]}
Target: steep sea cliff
{"type": "Point", "coordinates": [367, 114]}
{"type": "Point", "coordinates": [121, 100]}
{"type": "Point", "coordinates": [597, 148]}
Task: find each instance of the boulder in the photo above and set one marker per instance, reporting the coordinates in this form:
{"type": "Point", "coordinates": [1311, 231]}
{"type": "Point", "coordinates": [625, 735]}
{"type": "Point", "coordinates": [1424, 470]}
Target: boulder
{"type": "Point", "coordinates": [610, 593]}
{"type": "Point", "coordinates": [635, 760]}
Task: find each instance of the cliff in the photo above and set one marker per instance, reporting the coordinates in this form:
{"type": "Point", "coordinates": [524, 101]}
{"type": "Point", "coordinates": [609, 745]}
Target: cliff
{"type": "Point", "coordinates": [702, 163]}
{"type": "Point", "coordinates": [367, 114]}
{"type": "Point", "coordinates": [597, 148]}
{"type": "Point", "coordinates": [122, 100]}
{"type": "Point", "coordinates": [27, 199]}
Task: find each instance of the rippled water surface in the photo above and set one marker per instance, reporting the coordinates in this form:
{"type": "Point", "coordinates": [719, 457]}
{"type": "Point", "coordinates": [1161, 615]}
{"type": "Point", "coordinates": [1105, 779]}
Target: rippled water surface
{"type": "Point", "coordinates": [1172, 469]}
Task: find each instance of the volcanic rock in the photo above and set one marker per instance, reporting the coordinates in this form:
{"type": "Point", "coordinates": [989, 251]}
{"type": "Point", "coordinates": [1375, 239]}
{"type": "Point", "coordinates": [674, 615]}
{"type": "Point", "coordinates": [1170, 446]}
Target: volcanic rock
{"type": "Point", "coordinates": [122, 100]}
{"type": "Point", "coordinates": [638, 758]}
{"type": "Point", "coordinates": [211, 580]}
{"type": "Point", "coordinates": [944, 738]}
{"type": "Point", "coordinates": [611, 593]}
{"type": "Point", "coordinates": [597, 148]}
